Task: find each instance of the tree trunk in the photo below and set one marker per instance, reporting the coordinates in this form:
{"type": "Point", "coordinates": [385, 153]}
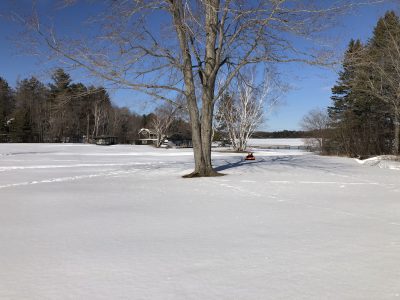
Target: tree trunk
{"type": "Point", "coordinates": [396, 132]}
{"type": "Point", "coordinates": [87, 128]}
{"type": "Point", "coordinates": [206, 130]}
{"type": "Point", "coordinates": [201, 139]}
{"type": "Point", "coordinates": [201, 126]}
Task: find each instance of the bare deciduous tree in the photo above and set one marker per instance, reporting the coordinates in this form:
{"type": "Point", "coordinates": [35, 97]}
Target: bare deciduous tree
{"type": "Point", "coordinates": [317, 122]}
{"type": "Point", "coordinates": [163, 47]}
{"type": "Point", "coordinates": [101, 109]}
{"type": "Point", "coordinates": [162, 119]}
{"type": "Point", "coordinates": [243, 109]}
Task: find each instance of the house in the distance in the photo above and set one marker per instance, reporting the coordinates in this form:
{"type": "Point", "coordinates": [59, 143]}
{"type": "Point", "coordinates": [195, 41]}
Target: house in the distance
{"type": "Point", "coordinates": [178, 140]}
{"type": "Point", "coordinates": [146, 137]}
{"type": "Point", "coordinates": [106, 140]}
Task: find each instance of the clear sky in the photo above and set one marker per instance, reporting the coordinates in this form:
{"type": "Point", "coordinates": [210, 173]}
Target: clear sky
{"type": "Point", "coordinates": [310, 85]}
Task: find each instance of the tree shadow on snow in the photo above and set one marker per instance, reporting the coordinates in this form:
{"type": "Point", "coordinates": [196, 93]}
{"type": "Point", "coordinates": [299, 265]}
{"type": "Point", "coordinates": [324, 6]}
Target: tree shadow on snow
{"type": "Point", "coordinates": [242, 162]}
{"type": "Point", "coordinates": [302, 162]}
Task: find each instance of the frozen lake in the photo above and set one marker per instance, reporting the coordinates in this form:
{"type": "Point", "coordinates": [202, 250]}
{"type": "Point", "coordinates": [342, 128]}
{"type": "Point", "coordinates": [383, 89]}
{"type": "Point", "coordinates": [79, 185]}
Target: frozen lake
{"type": "Point", "coordinates": [119, 222]}
{"type": "Point", "coordinates": [276, 142]}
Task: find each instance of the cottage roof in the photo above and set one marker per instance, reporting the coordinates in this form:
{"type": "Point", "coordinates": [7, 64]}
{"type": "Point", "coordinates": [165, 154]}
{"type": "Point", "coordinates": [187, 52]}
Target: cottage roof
{"type": "Point", "coordinates": [146, 131]}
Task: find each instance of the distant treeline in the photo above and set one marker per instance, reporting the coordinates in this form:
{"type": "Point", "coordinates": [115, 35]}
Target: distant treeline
{"type": "Point", "coordinates": [282, 134]}
{"type": "Point", "coordinates": [63, 111]}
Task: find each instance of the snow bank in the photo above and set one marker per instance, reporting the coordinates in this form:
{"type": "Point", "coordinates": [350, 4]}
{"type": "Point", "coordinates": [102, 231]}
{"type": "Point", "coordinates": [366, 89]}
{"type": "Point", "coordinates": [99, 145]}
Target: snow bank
{"type": "Point", "coordinates": [383, 161]}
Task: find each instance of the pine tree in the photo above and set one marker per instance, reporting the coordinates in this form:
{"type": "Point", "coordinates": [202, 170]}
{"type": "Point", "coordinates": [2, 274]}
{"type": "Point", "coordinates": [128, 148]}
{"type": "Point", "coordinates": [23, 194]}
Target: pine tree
{"type": "Point", "coordinates": [384, 59]}
{"type": "Point", "coordinates": [366, 99]}
{"type": "Point", "coordinates": [30, 114]}
{"type": "Point", "coordinates": [341, 113]}
{"type": "Point", "coordinates": [61, 81]}
{"type": "Point", "coordinates": [60, 96]}
{"type": "Point", "coordinates": [6, 104]}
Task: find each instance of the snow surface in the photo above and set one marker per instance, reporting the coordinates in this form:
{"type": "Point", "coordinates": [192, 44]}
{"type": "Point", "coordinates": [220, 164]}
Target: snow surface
{"type": "Point", "coordinates": [119, 222]}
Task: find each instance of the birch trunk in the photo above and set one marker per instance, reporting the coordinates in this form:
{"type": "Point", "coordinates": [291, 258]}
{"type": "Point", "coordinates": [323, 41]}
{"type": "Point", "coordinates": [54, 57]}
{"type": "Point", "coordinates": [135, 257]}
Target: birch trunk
{"type": "Point", "coordinates": [396, 139]}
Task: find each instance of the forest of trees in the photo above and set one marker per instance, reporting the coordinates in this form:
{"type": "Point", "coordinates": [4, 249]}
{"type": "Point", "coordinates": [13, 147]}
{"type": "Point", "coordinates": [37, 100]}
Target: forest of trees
{"type": "Point", "coordinates": [63, 111]}
{"type": "Point", "coordinates": [364, 116]}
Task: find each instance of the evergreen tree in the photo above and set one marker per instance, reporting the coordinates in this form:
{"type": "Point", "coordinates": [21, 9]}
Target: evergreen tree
{"type": "Point", "coordinates": [61, 81]}
{"type": "Point", "coordinates": [63, 111]}
{"type": "Point", "coordinates": [60, 96]}
{"type": "Point", "coordinates": [31, 111]}
{"type": "Point", "coordinates": [6, 104]}
{"type": "Point", "coordinates": [384, 62]}
{"type": "Point", "coordinates": [341, 113]}
{"type": "Point", "coordinates": [366, 99]}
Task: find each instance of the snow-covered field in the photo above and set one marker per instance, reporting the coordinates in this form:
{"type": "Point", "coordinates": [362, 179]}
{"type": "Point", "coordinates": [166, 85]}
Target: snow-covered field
{"type": "Point", "coordinates": [119, 222]}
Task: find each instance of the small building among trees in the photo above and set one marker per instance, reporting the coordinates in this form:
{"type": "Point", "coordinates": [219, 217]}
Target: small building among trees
{"type": "Point", "coordinates": [150, 137]}
{"type": "Point", "coordinates": [147, 137]}
{"type": "Point", "coordinates": [106, 140]}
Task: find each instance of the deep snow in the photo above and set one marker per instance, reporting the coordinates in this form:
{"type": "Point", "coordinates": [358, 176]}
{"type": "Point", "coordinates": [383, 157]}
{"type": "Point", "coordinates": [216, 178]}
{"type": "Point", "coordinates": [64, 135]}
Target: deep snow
{"type": "Point", "coordinates": [119, 222]}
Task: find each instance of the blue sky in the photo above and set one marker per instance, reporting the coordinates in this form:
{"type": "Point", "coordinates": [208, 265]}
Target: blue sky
{"type": "Point", "coordinates": [310, 85]}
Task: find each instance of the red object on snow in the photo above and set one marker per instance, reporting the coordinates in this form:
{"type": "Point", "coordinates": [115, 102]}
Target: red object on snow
{"type": "Point", "coordinates": [250, 156]}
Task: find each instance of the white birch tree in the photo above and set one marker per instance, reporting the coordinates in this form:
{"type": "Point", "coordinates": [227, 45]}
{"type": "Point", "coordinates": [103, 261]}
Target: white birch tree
{"type": "Point", "coordinates": [245, 108]}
